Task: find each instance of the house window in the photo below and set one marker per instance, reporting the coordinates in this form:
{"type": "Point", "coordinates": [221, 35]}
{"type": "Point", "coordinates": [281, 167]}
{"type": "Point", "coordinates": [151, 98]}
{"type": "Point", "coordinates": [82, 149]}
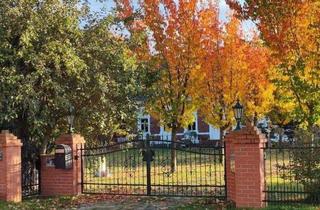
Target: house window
{"type": "Point", "coordinates": [192, 127]}
{"type": "Point", "coordinates": [144, 125]}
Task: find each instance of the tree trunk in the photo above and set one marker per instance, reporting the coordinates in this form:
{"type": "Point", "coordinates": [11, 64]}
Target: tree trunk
{"type": "Point", "coordinates": [173, 150]}
{"type": "Point", "coordinates": [222, 129]}
{"type": "Point", "coordinates": [221, 134]}
{"type": "Point", "coordinates": [43, 148]}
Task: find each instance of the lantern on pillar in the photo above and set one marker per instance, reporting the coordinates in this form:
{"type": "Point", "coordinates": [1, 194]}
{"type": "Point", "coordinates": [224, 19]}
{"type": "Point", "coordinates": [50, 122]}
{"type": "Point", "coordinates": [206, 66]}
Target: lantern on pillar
{"type": "Point", "coordinates": [238, 113]}
{"type": "Point", "coordinates": [70, 119]}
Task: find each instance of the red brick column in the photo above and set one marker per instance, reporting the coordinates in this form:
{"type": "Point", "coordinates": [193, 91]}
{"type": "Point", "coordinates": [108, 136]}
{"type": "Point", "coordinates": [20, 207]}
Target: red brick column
{"type": "Point", "coordinates": [62, 181]}
{"type": "Point", "coordinates": [10, 167]}
{"type": "Point", "coordinates": [245, 167]}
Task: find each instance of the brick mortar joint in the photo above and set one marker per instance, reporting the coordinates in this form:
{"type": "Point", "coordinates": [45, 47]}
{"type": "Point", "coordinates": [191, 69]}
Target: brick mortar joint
{"type": "Point", "coordinates": [11, 145]}
{"type": "Point", "coordinates": [46, 155]}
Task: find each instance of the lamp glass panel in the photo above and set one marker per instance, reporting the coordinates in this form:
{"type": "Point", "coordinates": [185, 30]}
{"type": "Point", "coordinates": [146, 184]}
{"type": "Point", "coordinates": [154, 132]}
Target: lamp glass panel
{"type": "Point", "coordinates": [238, 113]}
{"type": "Point", "coordinates": [70, 119]}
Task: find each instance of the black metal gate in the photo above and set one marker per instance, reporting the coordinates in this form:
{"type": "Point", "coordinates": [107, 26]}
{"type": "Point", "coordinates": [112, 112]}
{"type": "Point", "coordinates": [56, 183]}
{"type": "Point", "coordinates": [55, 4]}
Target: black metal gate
{"type": "Point", "coordinates": [30, 168]}
{"type": "Point", "coordinates": [292, 173]}
{"type": "Point", "coordinates": [145, 168]}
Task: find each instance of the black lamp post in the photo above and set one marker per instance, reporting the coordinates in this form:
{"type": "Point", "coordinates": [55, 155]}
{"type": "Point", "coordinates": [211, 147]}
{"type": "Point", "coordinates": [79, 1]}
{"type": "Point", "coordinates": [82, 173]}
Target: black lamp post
{"type": "Point", "coordinates": [238, 113]}
{"type": "Point", "coordinates": [70, 118]}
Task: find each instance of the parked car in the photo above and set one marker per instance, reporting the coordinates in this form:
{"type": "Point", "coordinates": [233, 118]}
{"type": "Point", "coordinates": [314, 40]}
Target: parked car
{"type": "Point", "coordinates": [263, 127]}
{"type": "Point", "coordinates": [189, 138]}
{"type": "Point", "coordinates": [275, 137]}
{"type": "Point", "coordinates": [289, 133]}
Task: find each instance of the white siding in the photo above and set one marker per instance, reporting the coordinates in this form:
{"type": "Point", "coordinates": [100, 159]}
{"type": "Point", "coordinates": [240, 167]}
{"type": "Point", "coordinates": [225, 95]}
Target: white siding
{"type": "Point", "coordinates": [214, 133]}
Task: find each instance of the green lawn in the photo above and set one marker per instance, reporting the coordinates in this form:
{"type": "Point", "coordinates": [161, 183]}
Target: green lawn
{"type": "Point", "coordinates": [292, 207]}
{"type": "Point", "coordinates": [212, 207]}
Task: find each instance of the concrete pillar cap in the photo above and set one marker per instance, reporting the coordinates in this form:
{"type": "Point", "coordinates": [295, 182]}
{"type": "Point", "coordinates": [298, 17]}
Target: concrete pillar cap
{"type": "Point", "coordinates": [5, 131]}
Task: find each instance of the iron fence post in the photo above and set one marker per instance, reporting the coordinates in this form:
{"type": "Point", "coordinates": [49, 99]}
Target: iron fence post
{"type": "Point", "coordinates": [148, 160]}
{"type": "Point", "coordinates": [225, 170]}
{"type": "Point", "coordinates": [82, 171]}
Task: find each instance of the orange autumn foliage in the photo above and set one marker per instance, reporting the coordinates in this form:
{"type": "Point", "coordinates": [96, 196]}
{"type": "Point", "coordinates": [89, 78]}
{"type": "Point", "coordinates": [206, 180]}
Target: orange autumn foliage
{"type": "Point", "coordinates": [175, 33]}
{"type": "Point", "coordinates": [202, 64]}
{"type": "Point", "coordinates": [291, 29]}
{"type": "Point", "coordinates": [235, 69]}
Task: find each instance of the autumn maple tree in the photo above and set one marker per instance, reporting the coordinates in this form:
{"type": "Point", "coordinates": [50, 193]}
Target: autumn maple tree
{"type": "Point", "coordinates": [176, 35]}
{"type": "Point", "coordinates": [235, 68]}
{"type": "Point", "coordinates": [201, 64]}
{"type": "Point", "coordinates": [174, 38]}
{"type": "Point", "coordinates": [292, 31]}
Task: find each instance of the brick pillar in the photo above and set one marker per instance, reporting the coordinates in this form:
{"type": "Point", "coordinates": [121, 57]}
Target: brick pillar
{"type": "Point", "coordinates": [62, 181]}
{"type": "Point", "coordinates": [10, 167]}
{"type": "Point", "coordinates": [245, 167]}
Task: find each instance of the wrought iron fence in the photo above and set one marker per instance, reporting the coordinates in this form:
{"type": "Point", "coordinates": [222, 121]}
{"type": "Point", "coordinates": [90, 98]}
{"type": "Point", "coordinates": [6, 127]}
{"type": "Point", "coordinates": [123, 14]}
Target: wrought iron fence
{"type": "Point", "coordinates": [292, 173]}
{"type": "Point", "coordinates": [30, 167]}
{"type": "Point", "coordinates": [144, 167]}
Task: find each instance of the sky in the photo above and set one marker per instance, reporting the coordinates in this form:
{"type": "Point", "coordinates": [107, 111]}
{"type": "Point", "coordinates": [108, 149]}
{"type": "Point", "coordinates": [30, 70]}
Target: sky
{"type": "Point", "coordinates": [248, 26]}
